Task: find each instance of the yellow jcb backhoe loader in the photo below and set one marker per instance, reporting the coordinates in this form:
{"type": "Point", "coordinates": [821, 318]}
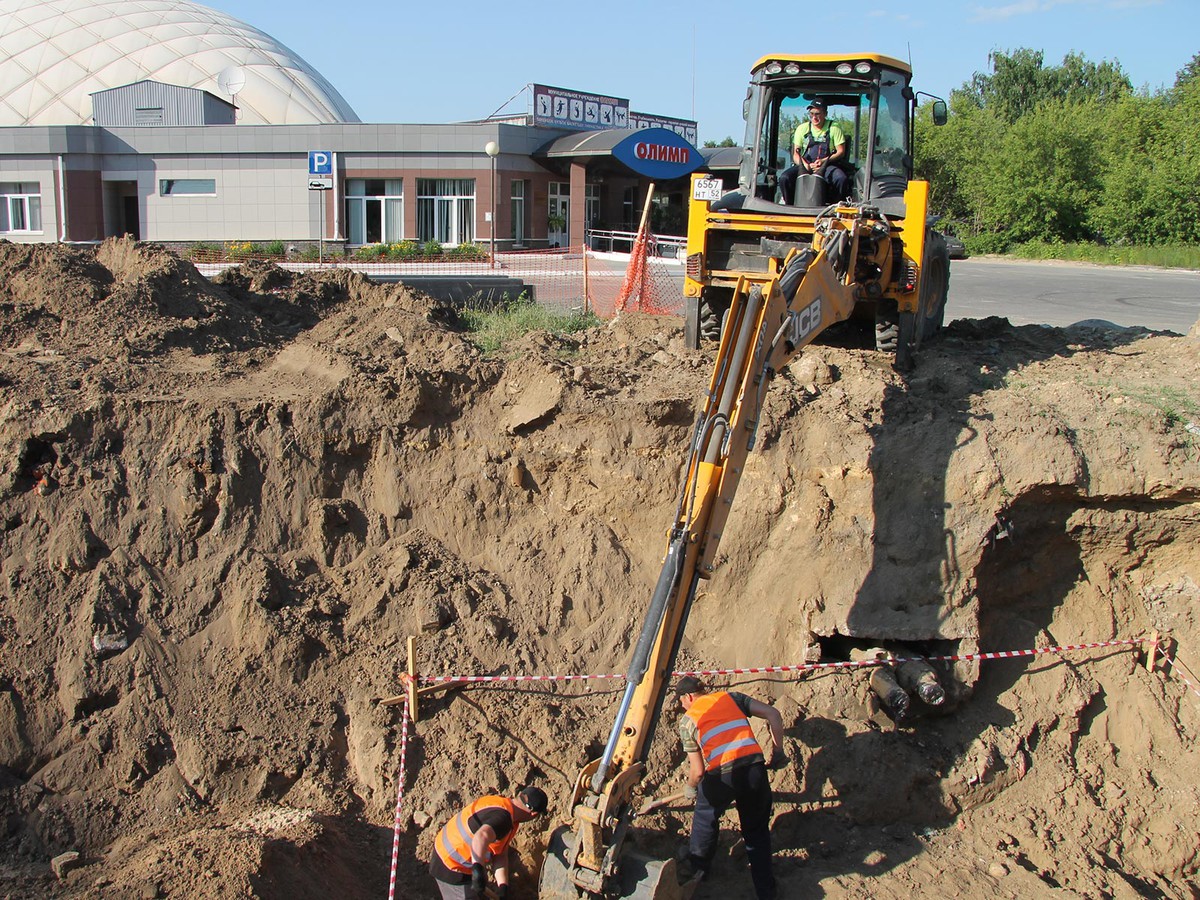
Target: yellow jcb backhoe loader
{"type": "Point", "coordinates": [748, 229]}
{"type": "Point", "coordinates": [777, 277]}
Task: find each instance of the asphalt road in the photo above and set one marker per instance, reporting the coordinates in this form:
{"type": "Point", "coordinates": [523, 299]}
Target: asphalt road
{"type": "Point", "coordinates": [1054, 293]}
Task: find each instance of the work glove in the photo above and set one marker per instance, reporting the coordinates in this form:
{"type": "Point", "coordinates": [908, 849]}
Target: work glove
{"type": "Point", "coordinates": [501, 891]}
{"type": "Point", "coordinates": [778, 760]}
{"type": "Point", "coordinates": [689, 793]}
{"type": "Point", "coordinates": [478, 878]}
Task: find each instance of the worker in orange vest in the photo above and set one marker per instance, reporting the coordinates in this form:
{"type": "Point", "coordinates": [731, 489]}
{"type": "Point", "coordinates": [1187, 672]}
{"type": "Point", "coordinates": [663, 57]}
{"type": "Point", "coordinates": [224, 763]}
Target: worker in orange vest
{"type": "Point", "coordinates": [727, 766]}
{"type": "Point", "coordinates": [478, 837]}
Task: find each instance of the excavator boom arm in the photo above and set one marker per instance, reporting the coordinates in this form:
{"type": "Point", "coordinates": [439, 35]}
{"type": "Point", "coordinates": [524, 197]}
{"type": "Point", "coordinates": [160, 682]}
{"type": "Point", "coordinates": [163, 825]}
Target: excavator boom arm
{"type": "Point", "coordinates": [767, 326]}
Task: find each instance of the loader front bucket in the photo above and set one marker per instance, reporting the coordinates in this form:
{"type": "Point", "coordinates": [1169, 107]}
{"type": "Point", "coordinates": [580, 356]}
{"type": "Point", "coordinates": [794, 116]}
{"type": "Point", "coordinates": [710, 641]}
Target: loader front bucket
{"type": "Point", "coordinates": [638, 876]}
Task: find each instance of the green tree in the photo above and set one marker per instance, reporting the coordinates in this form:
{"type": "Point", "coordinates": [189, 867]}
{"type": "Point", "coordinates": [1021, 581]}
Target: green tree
{"type": "Point", "coordinates": [1189, 73]}
{"type": "Point", "coordinates": [1020, 80]}
{"type": "Point", "coordinates": [1151, 180]}
{"type": "Point", "coordinates": [725, 142]}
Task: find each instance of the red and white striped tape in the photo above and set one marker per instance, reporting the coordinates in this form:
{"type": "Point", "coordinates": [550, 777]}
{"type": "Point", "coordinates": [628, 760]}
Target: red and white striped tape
{"type": "Point", "coordinates": [471, 679]}
{"type": "Point", "coordinates": [962, 657]}
{"type": "Point", "coordinates": [1176, 673]}
{"type": "Point", "coordinates": [800, 667]}
{"type": "Point", "coordinates": [399, 801]}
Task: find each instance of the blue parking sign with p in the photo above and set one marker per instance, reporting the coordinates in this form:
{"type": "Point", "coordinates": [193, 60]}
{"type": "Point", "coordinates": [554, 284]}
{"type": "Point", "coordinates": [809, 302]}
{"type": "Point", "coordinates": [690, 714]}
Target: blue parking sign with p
{"type": "Point", "coordinates": [320, 162]}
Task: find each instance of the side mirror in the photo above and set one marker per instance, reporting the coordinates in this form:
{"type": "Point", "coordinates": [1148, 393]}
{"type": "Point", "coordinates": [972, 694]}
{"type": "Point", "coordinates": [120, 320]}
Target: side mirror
{"type": "Point", "coordinates": [940, 116]}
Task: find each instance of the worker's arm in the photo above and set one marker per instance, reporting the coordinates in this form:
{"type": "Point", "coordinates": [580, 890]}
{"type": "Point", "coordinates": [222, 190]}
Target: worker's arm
{"type": "Point", "coordinates": [839, 153]}
{"type": "Point", "coordinates": [500, 870]}
{"type": "Point", "coordinates": [480, 852]}
{"type": "Point", "coordinates": [695, 768]}
{"type": "Point", "coordinates": [774, 722]}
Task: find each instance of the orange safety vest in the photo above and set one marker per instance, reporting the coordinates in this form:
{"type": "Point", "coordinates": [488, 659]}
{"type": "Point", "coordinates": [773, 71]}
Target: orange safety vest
{"type": "Point", "coordinates": [453, 844]}
{"type": "Point", "coordinates": [725, 733]}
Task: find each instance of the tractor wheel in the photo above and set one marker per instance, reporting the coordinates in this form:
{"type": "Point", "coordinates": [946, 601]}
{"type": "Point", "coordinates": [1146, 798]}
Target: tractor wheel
{"type": "Point", "coordinates": [714, 303]}
{"type": "Point", "coordinates": [887, 326]}
{"type": "Point", "coordinates": [916, 328]}
{"type": "Point", "coordinates": [906, 342]}
{"type": "Point", "coordinates": [935, 285]}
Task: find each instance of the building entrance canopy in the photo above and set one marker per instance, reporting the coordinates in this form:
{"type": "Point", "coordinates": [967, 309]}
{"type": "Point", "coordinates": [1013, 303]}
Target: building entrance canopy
{"type": "Point", "coordinates": [656, 153]}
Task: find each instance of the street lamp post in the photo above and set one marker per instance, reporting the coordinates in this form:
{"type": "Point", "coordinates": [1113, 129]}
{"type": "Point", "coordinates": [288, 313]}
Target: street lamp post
{"type": "Point", "coordinates": [492, 149]}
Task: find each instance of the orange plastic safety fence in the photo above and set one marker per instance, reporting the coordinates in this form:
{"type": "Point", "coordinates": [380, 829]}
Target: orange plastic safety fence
{"type": "Point", "coordinates": [573, 279]}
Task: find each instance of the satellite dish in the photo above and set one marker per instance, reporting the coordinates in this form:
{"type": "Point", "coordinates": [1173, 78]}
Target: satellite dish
{"type": "Point", "coordinates": [231, 80]}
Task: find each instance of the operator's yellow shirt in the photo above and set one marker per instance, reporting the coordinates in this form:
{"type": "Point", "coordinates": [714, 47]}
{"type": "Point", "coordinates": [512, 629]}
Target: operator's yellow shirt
{"type": "Point", "coordinates": [836, 136]}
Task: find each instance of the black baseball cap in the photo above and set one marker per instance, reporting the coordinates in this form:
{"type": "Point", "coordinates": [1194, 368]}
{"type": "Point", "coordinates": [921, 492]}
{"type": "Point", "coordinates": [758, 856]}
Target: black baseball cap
{"type": "Point", "coordinates": [818, 103]}
{"type": "Point", "coordinates": [533, 799]}
{"type": "Point", "coordinates": [688, 685]}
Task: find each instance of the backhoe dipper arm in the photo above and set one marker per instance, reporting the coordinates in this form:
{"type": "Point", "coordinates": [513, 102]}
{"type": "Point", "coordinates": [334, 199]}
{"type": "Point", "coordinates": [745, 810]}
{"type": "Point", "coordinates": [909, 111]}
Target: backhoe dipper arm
{"type": "Point", "coordinates": [767, 326]}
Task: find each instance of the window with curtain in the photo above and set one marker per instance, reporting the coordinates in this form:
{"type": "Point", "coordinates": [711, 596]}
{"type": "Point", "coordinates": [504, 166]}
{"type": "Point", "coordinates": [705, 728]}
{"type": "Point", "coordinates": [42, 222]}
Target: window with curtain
{"type": "Point", "coordinates": [374, 210]}
{"type": "Point", "coordinates": [20, 206]}
{"type": "Point", "coordinates": [446, 210]}
{"type": "Point", "coordinates": [518, 213]}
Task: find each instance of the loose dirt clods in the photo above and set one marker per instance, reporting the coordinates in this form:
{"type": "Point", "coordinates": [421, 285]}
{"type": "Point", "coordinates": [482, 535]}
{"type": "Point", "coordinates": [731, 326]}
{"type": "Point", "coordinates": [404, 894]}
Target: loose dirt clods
{"type": "Point", "coordinates": [224, 507]}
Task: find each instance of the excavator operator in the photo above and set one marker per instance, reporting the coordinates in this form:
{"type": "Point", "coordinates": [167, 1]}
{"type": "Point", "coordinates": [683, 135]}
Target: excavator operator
{"type": "Point", "coordinates": [726, 766]}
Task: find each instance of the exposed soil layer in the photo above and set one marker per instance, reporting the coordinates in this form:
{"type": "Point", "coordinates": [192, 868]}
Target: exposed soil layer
{"type": "Point", "coordinates": [225, 506]}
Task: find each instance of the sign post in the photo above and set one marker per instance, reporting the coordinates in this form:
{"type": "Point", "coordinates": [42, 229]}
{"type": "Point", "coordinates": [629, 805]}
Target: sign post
{"type": "Point", "coordinates": [320, 178]}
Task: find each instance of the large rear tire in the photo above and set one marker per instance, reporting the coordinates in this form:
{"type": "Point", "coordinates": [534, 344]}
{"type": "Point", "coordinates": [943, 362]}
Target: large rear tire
{"type": "Point", "coordinates": [935, 285]}
{"type": "Point", "coordinates": [714, 303]}
{"type": "Point", "coordinates": [887, 326]}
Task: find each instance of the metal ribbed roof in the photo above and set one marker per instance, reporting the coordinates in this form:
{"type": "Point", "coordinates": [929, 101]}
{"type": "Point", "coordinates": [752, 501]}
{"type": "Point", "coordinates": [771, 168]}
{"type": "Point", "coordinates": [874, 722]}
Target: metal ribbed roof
{"type": "Point", "coordinates": [55, 53]}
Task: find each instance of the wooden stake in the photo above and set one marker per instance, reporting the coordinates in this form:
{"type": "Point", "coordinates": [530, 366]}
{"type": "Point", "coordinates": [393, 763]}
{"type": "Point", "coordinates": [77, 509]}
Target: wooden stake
{"type": "Point", "coordinates": [411, 684]}
{"type": "Point", "coordinates": [410, 680]}
{"type": "Point", "coordinates": [1152, 654]}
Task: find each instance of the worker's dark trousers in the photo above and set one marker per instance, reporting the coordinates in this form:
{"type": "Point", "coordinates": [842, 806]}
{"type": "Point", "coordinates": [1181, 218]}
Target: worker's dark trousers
{"type": "Point", "coordinates": [746, 787]}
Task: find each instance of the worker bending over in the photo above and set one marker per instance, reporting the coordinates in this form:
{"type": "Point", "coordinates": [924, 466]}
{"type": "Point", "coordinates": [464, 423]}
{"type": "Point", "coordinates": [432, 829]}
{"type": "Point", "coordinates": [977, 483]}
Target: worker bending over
{"type": "Point", "coordinates": [478, 837]}
{"type": "Point", "coordinates": [726, 766]}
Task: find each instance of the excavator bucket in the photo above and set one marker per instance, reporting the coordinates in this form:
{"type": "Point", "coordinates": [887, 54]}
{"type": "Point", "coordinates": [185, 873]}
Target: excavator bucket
{"type": "Point", "coordinates": [638, 876]}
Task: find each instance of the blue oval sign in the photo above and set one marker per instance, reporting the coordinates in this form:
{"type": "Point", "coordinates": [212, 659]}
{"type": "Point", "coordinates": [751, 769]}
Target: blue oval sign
{"type": "Point", "coordinates": [658, 153]}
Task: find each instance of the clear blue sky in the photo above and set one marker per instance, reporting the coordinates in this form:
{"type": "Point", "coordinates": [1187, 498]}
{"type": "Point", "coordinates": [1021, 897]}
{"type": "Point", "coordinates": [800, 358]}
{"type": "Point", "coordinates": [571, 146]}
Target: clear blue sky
{"type": "Point", "coordinates": [426, 62]}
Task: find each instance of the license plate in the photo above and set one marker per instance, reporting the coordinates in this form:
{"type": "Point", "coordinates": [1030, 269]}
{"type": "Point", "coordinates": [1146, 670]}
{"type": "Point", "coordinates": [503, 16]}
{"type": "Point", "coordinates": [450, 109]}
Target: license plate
{"type": "Point", "coordinates": [707, 189]}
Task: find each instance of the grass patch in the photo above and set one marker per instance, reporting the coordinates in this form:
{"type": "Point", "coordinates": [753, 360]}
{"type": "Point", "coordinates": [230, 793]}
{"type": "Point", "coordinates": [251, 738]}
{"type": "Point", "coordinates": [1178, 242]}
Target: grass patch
{"type": "Point", "coordinates": [1169, 256]}
{"type": "Point", "coordinates": [493, 326]}
{"type": "Point", "coordinates": [1175, 406]}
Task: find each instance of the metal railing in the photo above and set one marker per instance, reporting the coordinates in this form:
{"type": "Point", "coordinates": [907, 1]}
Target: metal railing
{"type": "Point", "coordinates": [663, 246]}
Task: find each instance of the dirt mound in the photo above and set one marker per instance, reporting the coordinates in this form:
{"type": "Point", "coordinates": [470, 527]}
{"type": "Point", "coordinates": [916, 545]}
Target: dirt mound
{"type": "Point", "coordinates": [225, 506]}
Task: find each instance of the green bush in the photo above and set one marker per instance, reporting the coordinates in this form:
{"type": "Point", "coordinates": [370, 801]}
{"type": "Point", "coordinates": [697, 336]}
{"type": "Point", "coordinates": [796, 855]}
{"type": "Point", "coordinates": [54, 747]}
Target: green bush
{"type": "Point", "coordinates": [371, 252]}
{"type": "Point", "coordinates": [468, 252]}
{"type": "Point", "coordinates": [275, 248]}
{"type": "Point", "coordinates": [403, 250]}
{"type": "Point", "coordinates": [243, 250]}
{"type": "Point", "coordinates": [203, 250]}
{"type": "Point", "coordinates": [431, 249]}
{"type": "Point", "coordinates": [310, 254]}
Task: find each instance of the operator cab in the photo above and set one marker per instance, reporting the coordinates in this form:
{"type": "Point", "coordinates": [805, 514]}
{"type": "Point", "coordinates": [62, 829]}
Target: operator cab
{"type": "Point", "coordinates": [869, 99]}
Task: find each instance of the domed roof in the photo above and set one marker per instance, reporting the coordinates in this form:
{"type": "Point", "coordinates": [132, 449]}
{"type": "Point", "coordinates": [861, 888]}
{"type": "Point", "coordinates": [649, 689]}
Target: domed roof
{"type": "Point", "coordinates": [55, 53]}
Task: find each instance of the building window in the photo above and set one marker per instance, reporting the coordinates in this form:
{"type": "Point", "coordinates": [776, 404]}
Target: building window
{"type": "Point", "coordinates": [374, 210]}
{"type": "Point", "coordinates": [188, 187]}
{"type": "Point", "coordinates": [446, 210]}
{"type": "Point", "coordinates": [20, 206]}
{"type": "Point", "coordinates": [518, 213]}
{"type": "Point", "coordinates": [591, 209]}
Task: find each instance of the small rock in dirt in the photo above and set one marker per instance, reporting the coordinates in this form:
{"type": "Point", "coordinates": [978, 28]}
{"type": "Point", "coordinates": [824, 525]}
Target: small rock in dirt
{"type": "Point", "coordinates": [435, 616]}
{"type": "Point", "coordinates": [875, 858]}
{"type": "Point", "coordinates": [422, 819]}
{"type": "Point", "coordinates": [150, 891]}
{"type": "Point", "coordinates": [812, 370]}
{"type": "Point", "coordinates": [107, 643]}
{"type": "Point", "coordinates": [64, 863]}
{"type": "Point", "coordinates": [495, 626]}
{"type": "Point", "coordinates": [997, 870]}
{"type": "Point", "coordinates": [516, 474]}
